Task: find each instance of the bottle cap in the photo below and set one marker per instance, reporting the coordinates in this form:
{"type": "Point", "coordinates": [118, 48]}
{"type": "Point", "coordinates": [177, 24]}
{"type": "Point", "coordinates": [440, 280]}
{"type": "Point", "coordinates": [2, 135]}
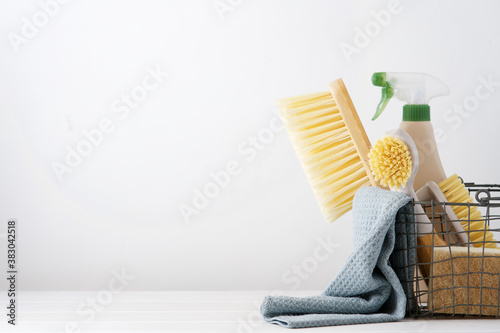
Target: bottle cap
{"type": "Point", "coordinates": [416, 112]}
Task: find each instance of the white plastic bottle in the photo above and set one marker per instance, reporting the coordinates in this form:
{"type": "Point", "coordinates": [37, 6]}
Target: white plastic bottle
{"type": "Point", "coordinates": [416, 89]}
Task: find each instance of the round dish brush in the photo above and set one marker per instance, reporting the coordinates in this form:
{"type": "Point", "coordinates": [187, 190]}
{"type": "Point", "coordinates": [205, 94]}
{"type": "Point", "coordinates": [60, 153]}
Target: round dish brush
{"type": "Point", "coordinates": [394, 162]}
{"type": "Point", "coordinates": [390, 162]}
{"type": "Point", "coordinates": [455, 192]}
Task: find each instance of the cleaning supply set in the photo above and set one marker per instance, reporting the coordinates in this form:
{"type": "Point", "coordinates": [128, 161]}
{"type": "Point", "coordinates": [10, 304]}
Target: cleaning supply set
{"type": "Point", "coordinates": [444, 267]}
{"type": "Point", "coordinates": [346, 172]}
{"type": "Point", "coordinates": [417, 89]}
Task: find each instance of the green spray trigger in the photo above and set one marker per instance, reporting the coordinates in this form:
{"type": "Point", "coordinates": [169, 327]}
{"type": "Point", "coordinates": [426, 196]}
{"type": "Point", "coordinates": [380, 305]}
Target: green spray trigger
{"type": "Point", "coordinates": [416, 89]}
{"type": "Point", "coordinates": [378, 79]}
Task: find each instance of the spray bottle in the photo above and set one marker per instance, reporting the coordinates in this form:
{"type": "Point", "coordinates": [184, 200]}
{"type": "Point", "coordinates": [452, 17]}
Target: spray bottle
{"type": "Point", "coordinates": [416, 89]}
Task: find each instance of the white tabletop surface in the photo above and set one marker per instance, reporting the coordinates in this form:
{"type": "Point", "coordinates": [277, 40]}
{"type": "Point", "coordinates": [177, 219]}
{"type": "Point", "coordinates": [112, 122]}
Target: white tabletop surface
{"type": "Point", "coordinates": [214, 311]}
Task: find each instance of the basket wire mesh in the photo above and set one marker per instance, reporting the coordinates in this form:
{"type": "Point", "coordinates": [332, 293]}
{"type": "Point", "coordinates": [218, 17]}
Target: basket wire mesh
{"type": "Point", "coordinates": [464, 277]}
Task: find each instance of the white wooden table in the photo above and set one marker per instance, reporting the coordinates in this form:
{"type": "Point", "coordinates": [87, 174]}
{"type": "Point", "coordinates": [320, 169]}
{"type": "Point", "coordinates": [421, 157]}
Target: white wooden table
{"type": "Point", "coordinates": [192, 311]}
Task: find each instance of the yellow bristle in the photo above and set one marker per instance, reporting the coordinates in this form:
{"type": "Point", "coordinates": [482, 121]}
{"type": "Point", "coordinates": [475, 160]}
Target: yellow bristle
{"type": "Point", "coordinates": [325, 149]}
{"type": "Point", "coordinates": [390, 162]}
{"type": "Point", "coordinates": [473, 223]}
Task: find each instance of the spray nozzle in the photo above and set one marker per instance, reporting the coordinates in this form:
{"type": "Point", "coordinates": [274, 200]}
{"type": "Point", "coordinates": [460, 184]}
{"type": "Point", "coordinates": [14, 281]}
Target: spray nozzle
{"type": "Point", "coordinates": [378, 79]}
{"type": "Point", "coordinates": [416, 89]}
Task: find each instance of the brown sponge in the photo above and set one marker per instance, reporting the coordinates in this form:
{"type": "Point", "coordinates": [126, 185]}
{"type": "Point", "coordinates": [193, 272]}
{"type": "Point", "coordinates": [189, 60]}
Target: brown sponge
{"type": "Point", "coordinates": [465, 281]}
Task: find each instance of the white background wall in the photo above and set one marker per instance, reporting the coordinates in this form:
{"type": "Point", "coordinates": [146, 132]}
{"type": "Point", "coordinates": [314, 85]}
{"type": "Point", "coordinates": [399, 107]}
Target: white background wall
{"type": "Point", "coordinates": [119, 209]}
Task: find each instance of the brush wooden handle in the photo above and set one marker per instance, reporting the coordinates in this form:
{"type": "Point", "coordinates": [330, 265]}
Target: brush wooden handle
{"type": "Point", "coordinates": [425, 248]}
{"type": "Point", "coordinates": [353, 124]}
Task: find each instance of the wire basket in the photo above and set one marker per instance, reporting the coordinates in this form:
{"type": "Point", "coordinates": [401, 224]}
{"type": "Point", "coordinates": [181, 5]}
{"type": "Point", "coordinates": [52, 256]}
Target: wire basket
{"type": "Point", "coordinates": [464, 278]}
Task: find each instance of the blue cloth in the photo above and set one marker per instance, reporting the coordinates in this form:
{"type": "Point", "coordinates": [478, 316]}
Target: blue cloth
{"type": "Point", "coordinates": [367, 289]}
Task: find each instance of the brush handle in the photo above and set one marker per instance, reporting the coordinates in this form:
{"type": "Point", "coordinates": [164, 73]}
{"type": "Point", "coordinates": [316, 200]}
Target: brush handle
{"type": "Point", "coordinates": [431, 191]}
{"type": "Point", "coordinates": [426, 238]}
{"type": "Point", "coordinates": [425, 248]}
{"type": "Point", "coordinates": [353, 124]}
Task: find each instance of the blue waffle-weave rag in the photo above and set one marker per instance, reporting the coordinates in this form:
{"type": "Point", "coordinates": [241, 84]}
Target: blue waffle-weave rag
{"type": "Point", "coordinates": [367, 289]}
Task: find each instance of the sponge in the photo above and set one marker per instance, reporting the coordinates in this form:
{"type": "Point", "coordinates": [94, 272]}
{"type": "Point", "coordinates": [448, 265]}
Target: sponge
{"type": "Point", "coordinates": [465, 281]}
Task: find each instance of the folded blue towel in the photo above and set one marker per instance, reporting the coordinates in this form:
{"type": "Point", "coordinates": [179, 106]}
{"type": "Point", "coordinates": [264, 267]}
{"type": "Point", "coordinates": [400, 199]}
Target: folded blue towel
{"type": "Point", "coordinates": [367, 289]}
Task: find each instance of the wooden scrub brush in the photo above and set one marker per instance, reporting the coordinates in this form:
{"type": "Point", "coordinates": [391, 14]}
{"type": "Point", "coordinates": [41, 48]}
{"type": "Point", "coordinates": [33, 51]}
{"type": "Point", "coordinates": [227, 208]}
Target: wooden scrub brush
{"type": "Point", "coordinates": [331, 144]}
{"type": "Point", "coordinates": [470, 217]}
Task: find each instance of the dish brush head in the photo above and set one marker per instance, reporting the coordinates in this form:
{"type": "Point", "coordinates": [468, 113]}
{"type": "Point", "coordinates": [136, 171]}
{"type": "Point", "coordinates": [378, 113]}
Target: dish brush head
{"type": "Point", "coordinates": [390, 162]}
{"type": "Point", "coordinates": [470, 217]}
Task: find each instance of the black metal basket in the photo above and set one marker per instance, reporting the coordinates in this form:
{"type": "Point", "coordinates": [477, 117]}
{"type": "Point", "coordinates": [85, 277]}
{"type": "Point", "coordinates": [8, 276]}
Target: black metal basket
{"type": "Point", "coordinates": [464, 277]}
